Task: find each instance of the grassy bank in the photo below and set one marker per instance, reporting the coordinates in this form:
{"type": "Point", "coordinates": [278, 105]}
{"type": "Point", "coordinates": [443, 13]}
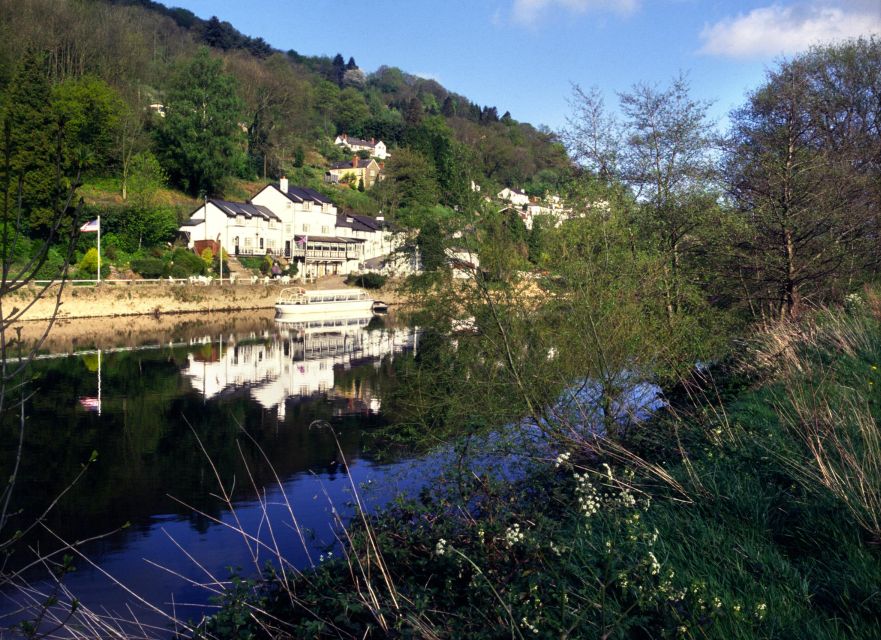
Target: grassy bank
{"type": "Point", "coordinates": [751, 510]}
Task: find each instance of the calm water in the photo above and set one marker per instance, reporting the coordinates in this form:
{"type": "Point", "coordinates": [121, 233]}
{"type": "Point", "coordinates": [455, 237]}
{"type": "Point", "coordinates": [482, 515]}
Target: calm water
{"type": "Point", "coordinates": [149, 410]}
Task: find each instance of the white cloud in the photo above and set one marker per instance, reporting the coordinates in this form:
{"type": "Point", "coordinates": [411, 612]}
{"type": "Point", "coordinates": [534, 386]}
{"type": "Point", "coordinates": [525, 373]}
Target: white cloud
{"type": "Point", "coordinates": [527, 11]}
{"type": "Point", "coordinates": [786, 29]}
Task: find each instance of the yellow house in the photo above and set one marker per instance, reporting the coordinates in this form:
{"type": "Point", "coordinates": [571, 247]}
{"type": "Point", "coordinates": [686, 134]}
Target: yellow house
{"type": "Point", "coordinates": [354, 171]}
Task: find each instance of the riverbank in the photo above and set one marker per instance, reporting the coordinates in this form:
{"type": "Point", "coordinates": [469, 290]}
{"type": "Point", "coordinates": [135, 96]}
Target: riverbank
{"type": "Point", "coordinates": [156, 299]}
{"type": "Point", "coordinates": [713, 521]}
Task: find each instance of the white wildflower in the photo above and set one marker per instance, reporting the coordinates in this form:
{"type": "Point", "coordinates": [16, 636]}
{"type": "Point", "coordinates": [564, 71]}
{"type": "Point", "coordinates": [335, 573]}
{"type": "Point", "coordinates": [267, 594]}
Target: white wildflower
{"type": "Point", "coordinates": [441, 547]}
{"type": "Point", "coordinates": [562, 459]}
{"type": "Point", "coordinates": [513, 535]}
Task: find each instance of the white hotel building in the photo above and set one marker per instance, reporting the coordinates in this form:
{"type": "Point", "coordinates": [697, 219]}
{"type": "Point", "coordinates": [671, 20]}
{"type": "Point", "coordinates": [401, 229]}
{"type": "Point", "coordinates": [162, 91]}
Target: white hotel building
{"type": "Point", "coordinates": [296, 223]}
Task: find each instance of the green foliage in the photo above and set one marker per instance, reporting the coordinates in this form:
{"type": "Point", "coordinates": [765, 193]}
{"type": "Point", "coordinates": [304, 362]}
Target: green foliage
{"type": "Point", "coordinates": [431, 245]}
{"type": "Point", "coordinates": [199, 140]}
{"type": "Point", "coordinates": [148, 267]}
{"type": "Point", "coordinates": [89, 263]}
{"type": "Point", "coordinates": [409, 183]}
{"type": "Point", "coordinates": [30, 140]}
{"type": "Point", "coordinates": [367, 280]}
{"type": "Point", "coordinates": [146, 177]}
{"type": "Point", "coordinates": [90, 110]}
{"type": "Point", "coordinates": [186, 263]}
{"type": "Point", "coordinates": [207, 257]}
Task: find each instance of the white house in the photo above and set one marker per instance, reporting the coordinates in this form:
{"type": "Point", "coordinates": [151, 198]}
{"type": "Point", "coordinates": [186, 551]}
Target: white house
{"type": "Point", "coordinates": [295, 223]}
{"type": "Point", "coordinates": [297, 364]}
{"type": "Point", "coordinates": [376, 148]}
{"type": "Point", "coordinates": [239, 227]}
{"type": "Point", "coordinates": [514, 196]}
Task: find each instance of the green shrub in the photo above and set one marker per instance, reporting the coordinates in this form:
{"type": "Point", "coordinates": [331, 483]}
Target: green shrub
{"type": "Point", "coordinates": [148, 267]}
{"type": "Point", "coordinates": [188, 263]}
{"type": "Point", "coordinates": [367, 280]}
{"type": "Point", "coordinates": [89, 263]}
{"type": "Point", "coordinates": [207, 256]}
{"type": "Point", "coordinates": [179, 271]}
{"type": "Point", "coordinates": [266, 265]}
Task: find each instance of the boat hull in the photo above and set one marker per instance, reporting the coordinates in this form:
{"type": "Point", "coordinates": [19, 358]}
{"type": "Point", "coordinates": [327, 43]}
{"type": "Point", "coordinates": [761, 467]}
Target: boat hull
{"type": "Point", "coordinates": [346, 309]}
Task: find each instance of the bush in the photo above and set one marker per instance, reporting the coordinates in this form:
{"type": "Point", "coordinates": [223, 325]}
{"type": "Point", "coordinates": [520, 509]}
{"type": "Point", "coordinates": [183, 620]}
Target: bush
{"type": "Point", "coordinates": [188, 263]}
{"type": "Point", "coordinates": [207, 257]}
{"type": "Point", "coordinates": [89, 263]}
{"type": "Point", "coordinates": [367, 280]}
{"type": "Point", "coordinates": [266, 265]}
{"type": "Point", "coordinates": [148, 267]}
{"type": "Point", "coordinates": [53, 266]}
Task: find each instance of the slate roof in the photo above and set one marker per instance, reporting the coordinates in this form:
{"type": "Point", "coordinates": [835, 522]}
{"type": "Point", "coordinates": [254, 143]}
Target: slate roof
{"type": "Point", "coordinates": [233, 209]}
{"type": "Point", "coordinates": [358, 142]}
{"type": "Point", "coordinates": [358, 222]}
{"type": "Point", "coordinates": [304, 194]}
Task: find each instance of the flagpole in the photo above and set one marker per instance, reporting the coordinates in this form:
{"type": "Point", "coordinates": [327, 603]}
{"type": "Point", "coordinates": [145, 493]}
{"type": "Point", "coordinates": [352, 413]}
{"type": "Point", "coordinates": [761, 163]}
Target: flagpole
{"type": "Point", "coordinates": [99, 256]}
{"type": "Point", "coordinates": [99, 380]}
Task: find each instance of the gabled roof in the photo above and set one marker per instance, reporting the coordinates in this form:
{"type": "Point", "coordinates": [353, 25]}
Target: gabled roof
{"type": "Point", "coordinates": [372, 223]}
{"type": "Point", "coordinates": [350, 164]}
{"type": "Point", "coordinates": [358, 142]}
{"type": "Point", "coordinates": [302, 194]}
{"type": "Point", "coordinates": [233, 209]}
{"type": "Point", "coordinates": [357, 222]}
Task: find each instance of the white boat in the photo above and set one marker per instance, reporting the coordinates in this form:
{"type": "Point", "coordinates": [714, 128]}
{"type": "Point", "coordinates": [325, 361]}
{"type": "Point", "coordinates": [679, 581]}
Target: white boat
{"type": "Point", "coordinates": [296, 302]}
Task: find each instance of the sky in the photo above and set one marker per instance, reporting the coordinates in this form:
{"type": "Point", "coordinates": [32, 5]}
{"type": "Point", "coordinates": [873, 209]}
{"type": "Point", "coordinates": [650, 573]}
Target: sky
{"type": "Point", "coordinates": [523, 56]}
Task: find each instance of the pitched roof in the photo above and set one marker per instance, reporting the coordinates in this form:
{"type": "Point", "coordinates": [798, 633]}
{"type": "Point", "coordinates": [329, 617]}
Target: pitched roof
{"type": "Point", "coordinates": [305, 194]}
{"type": "Point", "coordinates": [358, 142]}
{"type": "Point", "coordinates": [372, 223]}
{"type": "Point", "coordinates": [357, 222]}
{"type": "Point", "coordinates": [233, 209]}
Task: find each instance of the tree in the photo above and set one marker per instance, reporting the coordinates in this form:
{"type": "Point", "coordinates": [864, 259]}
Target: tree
{"type": "Point", "coordinates": [200, 140]}
{"type": "Point", "coordinates": [668, 164]}
{"type": "Point", "coordinates": [409, 183]}
{"type": "Point", "coordinates": [430, 242]}
{"type": "Point", "coordinates": [665, 160]}
{"type": "Point", "coordinates": [91, 111]}
{"type": "Point", "coordinates": [339, 69]}
{"type": "Point", "coordinates": [351, 113]}
{"type": "Point", "coordinates": [30, 135]}
{"type": "Point", "coordinates": [592, 135]}
{"type": "Point", "coordinates": [806, 188]}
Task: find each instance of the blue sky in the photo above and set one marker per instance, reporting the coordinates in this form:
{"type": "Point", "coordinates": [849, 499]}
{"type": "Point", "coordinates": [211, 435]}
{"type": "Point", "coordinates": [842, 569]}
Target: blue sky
{"type": "Point", "coordinates": [522, 55]}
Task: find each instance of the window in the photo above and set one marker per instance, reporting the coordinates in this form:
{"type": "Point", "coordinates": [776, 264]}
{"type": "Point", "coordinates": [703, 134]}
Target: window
{"type": "Point", "coordinates": [287, 229]}
{"type": "Point", "coordinates": [324, 229]}
{"type": "Point", "coordinates": [261, 243]}
{"type": "Point", "coordinates": [305, 227]}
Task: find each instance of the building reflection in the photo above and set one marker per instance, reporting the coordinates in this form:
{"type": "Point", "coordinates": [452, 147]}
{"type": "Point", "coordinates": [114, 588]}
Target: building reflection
{"type": "Point", "coordinates": [295, 362]}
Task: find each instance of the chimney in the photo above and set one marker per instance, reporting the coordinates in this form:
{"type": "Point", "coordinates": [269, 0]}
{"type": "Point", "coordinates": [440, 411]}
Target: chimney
{"type": "Point", "coordinates": [283, 184]}
{"type": "Point", "coordinates": [354, 162]}
{"type": "Point", "coordinates": [373, 141]}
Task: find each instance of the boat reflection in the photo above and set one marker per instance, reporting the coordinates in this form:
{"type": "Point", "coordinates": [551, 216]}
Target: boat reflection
{"type": "Point", "coordinates": [297, 361]}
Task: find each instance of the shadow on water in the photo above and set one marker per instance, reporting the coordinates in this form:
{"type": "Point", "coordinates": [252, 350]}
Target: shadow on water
{"type": "Point", "coordinates": [148, 406]}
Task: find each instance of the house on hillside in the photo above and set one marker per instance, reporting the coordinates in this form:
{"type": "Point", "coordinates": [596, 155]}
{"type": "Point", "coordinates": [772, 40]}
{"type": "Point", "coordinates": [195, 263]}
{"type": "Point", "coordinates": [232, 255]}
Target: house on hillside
{"type": "Point", "coordinates": [514, 196]}
{"type": "Point", "coordinates": [376, 148]}
{"type": "Point", "coordinates": [354, 171]}
{"type": "Point", "coordinates": [292, 223]}
{"type": "Point", "coordinates": [239, 227]}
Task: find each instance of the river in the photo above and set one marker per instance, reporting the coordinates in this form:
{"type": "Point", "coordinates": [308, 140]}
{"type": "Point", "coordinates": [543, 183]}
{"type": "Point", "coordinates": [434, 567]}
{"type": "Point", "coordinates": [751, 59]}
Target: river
{"type": "Point", "coordinates": [174, 414]}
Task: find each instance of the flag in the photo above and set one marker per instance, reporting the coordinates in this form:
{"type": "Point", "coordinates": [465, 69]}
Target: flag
{"type": "Point", "coordinates": [90, 227]}
{"type": "Point", "coordinates": [303, 240]}
{"type": "Point", "coordinates": [90, 404]}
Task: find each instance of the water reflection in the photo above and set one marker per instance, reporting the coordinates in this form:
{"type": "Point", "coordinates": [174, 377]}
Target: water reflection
{"type": "Point", "coordinates": [297, 362]}
{"type": "Point", "coordinates": [163, 406]}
